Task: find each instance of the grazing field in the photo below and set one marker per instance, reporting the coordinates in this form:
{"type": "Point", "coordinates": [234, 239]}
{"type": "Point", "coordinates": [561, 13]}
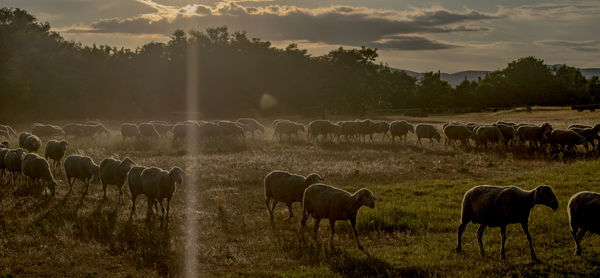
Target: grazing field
{"type": "Point", "coordinates": [410, 232]}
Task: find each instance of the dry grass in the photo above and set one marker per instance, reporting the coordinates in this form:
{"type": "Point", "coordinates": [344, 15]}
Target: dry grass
{"type": "Point", "coordinates": [411, 232]}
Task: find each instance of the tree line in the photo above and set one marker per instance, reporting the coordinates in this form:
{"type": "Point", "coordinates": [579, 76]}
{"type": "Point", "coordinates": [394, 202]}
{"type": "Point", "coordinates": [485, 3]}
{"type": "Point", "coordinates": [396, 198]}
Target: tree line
{"type": "Point", "coordinates": [42, 75]}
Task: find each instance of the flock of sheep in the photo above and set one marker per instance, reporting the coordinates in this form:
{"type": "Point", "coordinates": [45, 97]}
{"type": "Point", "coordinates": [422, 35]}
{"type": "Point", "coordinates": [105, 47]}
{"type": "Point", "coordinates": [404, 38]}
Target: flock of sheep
{"type": "Point", "coordinates": [21, 163]}
{"type": "Point", "coordinates": [486, 205]}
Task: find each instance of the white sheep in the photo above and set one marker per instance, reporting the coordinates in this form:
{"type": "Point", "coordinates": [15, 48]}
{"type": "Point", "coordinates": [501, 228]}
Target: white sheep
{"type": "Point", "coordinates": [498, 206]}
{"type": "Point", "coordinates": [285, 187]}
{"type": "Point", "coordinates": [583, 210]}
{"type": "Point", "coordinates": [327, 202]}
{"type": "Point", "coordinates": [81, 168]}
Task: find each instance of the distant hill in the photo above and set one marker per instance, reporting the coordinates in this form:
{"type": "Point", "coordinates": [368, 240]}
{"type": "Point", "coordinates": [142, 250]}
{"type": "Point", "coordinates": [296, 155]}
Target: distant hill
{"type": "Point", "coordinates": [455, 78]}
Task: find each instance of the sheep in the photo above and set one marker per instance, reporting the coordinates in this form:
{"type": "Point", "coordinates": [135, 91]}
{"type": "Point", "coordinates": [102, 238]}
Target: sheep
{"type": "Point", "coordinates": [288, 188]}
{"type": "Point", "coordinates": [210, 131]}
{"type": "Point", "coordinates": [162, 127]}
{"type": "Point", "coordinates": [567, 138]}
{"type": "Point", "coordinates": [400, 129]}
{"type": "Point", "coordinates": [12, 161]}
{"type": "Point", "coordinates": [93, 129]}
{"type": "Point", "coordinates": [32, 143]}
{"type": "Point", "coordinates": [147, 130]}
{"type": "Point", "coordinates": [590, 134]}
{"type": "Point", "coordinates": [347, 128]}
{"type": "Point", "coordinates": [73, 129]}
{"type": "Point", "coordinates": [458, 132]}
{"type": "Point", "coordinates": [274, 123]}
{"type": "Point", "coordinates": [287, 127]}
{"type": "Point", "coordinates": [485, 134]}
{"type": "Point", "coordinates": [159, 184]}
{"type": "Point", "coordinates": [498, 206]}
{"type": "Point", "coordinates": [130, 130]}
{"type": "Point", "coordinates": [182, 131]}
{"type": "Point", "coordinates": [22, 137]}
{"type": "Point", "coordinates": [42, 130]}
{"type": "Point", "coordinates": [427, 131]}
{"type": "Point", "coordinates": [81, 168]}
{"type": "Point", "coordinates": [36, 168]}
{"type": "Point", "coordinates": [3, 152]}
{"type": "Point", "coordinates": [135, 184]}
{"type": "Point", "coordinates": [231, 129]}
{"type": "Point", "coordinates": [324, 128]}
{"type": "Point", "coordinates": [364, 128]}
{"type": "Point", "coordinates": [325, 201]}
{"type": "Point", "coordinates": [535, 135]}
{"type": "Point", "coordinates": [508, 132]}
{"type": "Point", "coordinates": [578, 126]}
{"type": "Point", "coordinates": [55, 150]}
{"type": "Point", "coordinates": [114, 172]}
{"type": "Point", "coordinates": [583, 209]}
{"type": "Point", "coordinates": [251, 125]}
{"type": "Point", "coordinates": [382, 127]}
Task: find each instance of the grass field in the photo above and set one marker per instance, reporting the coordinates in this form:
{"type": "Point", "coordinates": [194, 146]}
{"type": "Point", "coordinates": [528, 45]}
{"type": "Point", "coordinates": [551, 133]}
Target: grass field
{"type": "Point", "coordinates": [410, 232]}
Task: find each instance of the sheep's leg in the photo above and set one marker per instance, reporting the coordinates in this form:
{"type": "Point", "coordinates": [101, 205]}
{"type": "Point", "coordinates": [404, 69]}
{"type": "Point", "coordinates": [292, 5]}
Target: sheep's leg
{"type": "Point", "coordinates": [70, 182]}
{"type": "Point", "coordinates": [289, 205]}
{"type": "Point", "coordinates": [577, 236]}
{"type": "Point", "coordinates": [332, 225]}
{"type": "Point", "coordinates": [133, 197]}
{"type": "Point", "coordinates": [316, 230]}
{"type": "Point", "coordinates": [273, 206]}
{"type": "Point", "coordinates": [526, 231]}
{"type": "Point", "coordinates": [304, 217]}
{"type": "Point", "coordinates": [480, 239]}
{"type": "Point", "coordinates": [149, 213]}
{"type": "Point", "coordinates": [267, 203]}
{"type": "Point", "coordinates": [104, 189]}
{"type": "Point", "coordinates": [461, 229]}
{"type": "Point", "coordinates": [503, 232]}
{"type": "Point", "coordinates": [353, 224]}
{"type": "Point", "coordinates": [168, 208]}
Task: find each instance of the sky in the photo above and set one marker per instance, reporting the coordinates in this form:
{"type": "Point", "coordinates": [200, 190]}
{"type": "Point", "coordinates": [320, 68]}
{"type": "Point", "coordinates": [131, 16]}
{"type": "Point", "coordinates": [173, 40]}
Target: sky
{"type": "Point", "coordinates": [423, 35]}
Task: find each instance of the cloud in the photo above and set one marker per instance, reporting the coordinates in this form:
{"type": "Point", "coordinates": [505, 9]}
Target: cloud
{"type": "Point", "coordinates": [336, 24]}
{"type": "Point", "coordinates": [583, 46]}
{"type": "Point", "coordinates": [566, 10]}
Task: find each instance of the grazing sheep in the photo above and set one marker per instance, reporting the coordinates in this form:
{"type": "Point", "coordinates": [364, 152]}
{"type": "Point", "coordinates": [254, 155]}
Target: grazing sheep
{"type": "Point", "coordinates": [55, 150]}
{"type": "Point", "coordinates": [488, 134]}
{"type": "Point", "coordinates": [251, 125]}
{"type": "Point", "coordinates": [114, 172]}
{"type": "Point", "coordinates": [498, 206]}
{"type": "Point", "coordinates": [36, 168]}
{"type": "Point", "coordinates": [427, 131]}
{"type": "Point", "coordinates": [401, 129]}
{"type": "Point", "coordinates": [130, 130]}
{"type": "Point", "coordinates": [324, 128]}
{"type": "Point", "coordinates": [42, 130]}
{"type": "Point", "coordinates": [159, 184]}
{"type": "Point", "coordinates": [286, 188]}
{"type": "Point", "coordinates": [147, 130]}
{"type": "Point", "coordinates": [537, 136]}
{"type": "Point", "coordinates": [566, 138]}
{"type": "Point", "coordinates": [210, 131]}
{"type": "Point", "coordinates": [163, 128]}
{"type": "Point", "coordinates": [382, 127]}
{"type": "Point", "coordinates": [182, 131]}
{"type": "Point", "coordinates": [32, 143]}
{"type": "Point", "coordinates": [91, 130]}
{"type": "Point", "coordinates": [22, 137]}
{"type": "Point", "coordinates": [73, 129]}
{"type": "Point", "coordinates": [458, 132]}
{"type": "Point", "coordinates": [288, 128]}
{"type": "Point", "coordinates": [12, 161]}
{"type": "Point", "coordinates": [135, 184]}
{"type": "Point", "coordinates": [81, 168]}
{"type": "Point", "coordinates": [583, 210]}
{"type": "Point", "coordinates": [508, 132]}
{"type": "Point", "coordinates": [274, 123]}
{"type": "Point", "coordinates": [590, 134]}
{"type": "Point", "coordinates": [231, 129]}
{"type": "Point", "coordinates": [325, 201]}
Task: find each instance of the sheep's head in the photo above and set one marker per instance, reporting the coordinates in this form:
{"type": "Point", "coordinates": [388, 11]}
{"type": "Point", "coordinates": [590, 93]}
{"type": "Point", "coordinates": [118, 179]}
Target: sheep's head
{"type": "Point", "coordinates": [546, 127]}
{"type": "Point", "coordinates": [63, 145]}
{"type": "Point", "coordinates": [544, 194]}
{"type": "Point", "coordinates": [176, 175]}
{"type": "Point", "coordinates": [312, 179]}
{"type": "Point", "coordinates": [437, 136]}
{"type": "Point", "coordinates": [126, 165]}
{"type": "Point", "coordinates": [411, 128]}
{"type": "Point", "coordinates": [365, 197]}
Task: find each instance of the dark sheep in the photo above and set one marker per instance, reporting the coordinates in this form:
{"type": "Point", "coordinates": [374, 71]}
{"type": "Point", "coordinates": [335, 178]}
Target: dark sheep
{"type": "Point", "coordinates": [13, 160]}
{"type": "Point", "coordinates": [32, 143]}
{"type": "Point", "coordinates": [158, 185]}
{"type": "Point", "coordinates": [135, 184]}
{"type": "Point", "coordinates": [499, 206]}
{"type": "Point", "coordinates": [37, 169]}
{"type": "Point", "coordinates": [81, 168]}
{"type": "Point", "coordinates": [583, 210]}
{"type": "Point", "coordinates": [114, 172]}
{"type": "Point", "coordinates": [56, 150]}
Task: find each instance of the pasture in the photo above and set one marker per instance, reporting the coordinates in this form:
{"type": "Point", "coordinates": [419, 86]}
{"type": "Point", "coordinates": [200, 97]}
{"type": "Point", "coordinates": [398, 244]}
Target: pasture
{"type": "Point", "coordinates": [410, 232]}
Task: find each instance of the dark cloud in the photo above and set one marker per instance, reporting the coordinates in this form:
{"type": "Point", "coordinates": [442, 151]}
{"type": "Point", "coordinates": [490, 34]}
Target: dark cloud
{"type": "Point", "coordinates": [333, 25]}
{"type": "Point", "coordinates": [583, 46]}
{"type": "Point", "coordinates": [411, 43]}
